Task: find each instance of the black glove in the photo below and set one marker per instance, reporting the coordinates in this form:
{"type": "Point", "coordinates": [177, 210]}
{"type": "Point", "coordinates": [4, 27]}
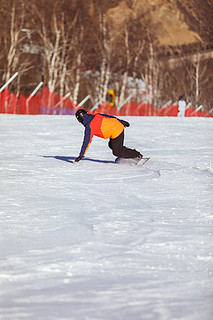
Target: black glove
{"type": "Point", "coordinates": [125, 123]}
{"type": "Point", "coordinates": [78, 158]}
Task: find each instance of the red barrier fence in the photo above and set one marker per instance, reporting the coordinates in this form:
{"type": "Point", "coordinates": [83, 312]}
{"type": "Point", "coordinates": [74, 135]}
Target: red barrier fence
{"type": "Point", "coordinates": [45, 101]}
{"type": "Point", "coordinates": [146, 109]}
{"type": "Point", "coordinates": [42, 103]}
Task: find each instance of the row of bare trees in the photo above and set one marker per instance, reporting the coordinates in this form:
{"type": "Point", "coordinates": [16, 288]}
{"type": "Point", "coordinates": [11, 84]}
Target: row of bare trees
{"type": "Point", "coordinates": [59, 42]}
{"type": "Point", "coordinates": [41, 42]}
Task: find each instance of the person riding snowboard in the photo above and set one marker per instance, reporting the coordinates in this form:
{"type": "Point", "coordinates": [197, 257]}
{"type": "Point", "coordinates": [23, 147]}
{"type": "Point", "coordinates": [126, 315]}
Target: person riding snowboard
{"type": "Point", "coordinates": [107, 127]}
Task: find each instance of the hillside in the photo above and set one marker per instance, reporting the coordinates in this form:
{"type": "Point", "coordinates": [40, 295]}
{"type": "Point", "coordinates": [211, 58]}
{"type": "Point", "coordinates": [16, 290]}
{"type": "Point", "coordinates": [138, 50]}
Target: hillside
{"type": "Point", "coordinates": [171, 23]}
{"type": "Point", "coordinates": [115, 39]}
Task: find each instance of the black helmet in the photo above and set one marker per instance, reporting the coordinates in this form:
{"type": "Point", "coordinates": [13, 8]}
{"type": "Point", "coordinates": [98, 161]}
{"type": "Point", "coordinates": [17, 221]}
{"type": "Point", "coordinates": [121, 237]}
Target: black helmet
{"type": "Point", "coordinates": [80, 115]}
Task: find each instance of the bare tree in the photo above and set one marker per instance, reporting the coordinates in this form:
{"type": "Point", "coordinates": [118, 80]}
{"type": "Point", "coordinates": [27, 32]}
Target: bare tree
{"type": "Point", "coordinates": [200, 79]}
{"type": "Point", "coordinates": [13, 41]}
{"type": "Point", "coordinates": [13, 16]}
{"type": "Point", "coordinates": [151, 75]}
{"type": "Point", "coordinates": [58, 43]}
{"type": "Point", "coordinates": [128, 60]}
{"type": "Point", "coordinates": [141, 44]}
{"type": "Point", "coordinates": [77, 63]}
{"type": "Point", "coordinates": [13, 53]}
{"type": "Point", "coordinates": [105, 50]}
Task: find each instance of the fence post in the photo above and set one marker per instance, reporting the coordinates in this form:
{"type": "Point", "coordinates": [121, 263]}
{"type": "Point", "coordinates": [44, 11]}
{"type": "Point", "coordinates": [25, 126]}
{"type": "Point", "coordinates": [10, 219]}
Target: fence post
{"type": "Point", "coordinates": [31, 95]}
{"type": "Point", "coordinates": [124, 102]}
{"type": "Point", "coordinates": [10, 80]}
{"type": "Point", "coordinates": [83, 101]}
{"type": "Point", "coordinates": [60, 101]}
{"type": "Point", "coordinates": [97, 104]}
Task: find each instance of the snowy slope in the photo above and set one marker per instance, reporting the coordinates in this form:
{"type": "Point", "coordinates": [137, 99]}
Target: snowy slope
{"type": "Point", "coordinates": [99, 241]}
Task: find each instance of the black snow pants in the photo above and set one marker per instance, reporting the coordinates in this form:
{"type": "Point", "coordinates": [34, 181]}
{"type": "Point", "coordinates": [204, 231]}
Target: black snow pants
{"type": "Point", "coordinates": [119, 150]}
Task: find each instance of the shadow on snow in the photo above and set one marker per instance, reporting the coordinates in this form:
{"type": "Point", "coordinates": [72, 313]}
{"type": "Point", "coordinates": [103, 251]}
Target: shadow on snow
{"type": "Point", "coordinates": [72, 159]}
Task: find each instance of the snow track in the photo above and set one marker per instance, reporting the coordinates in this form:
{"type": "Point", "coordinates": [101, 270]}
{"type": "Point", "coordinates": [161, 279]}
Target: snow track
{"type": "Point", "coordinates": [95, 240]}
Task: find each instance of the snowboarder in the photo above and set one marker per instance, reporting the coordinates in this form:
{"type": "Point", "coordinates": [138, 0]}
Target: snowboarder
{"type": "Point", "coordinates": [181, 107]}
{"type": "Point", "coordinates": [107, 127]}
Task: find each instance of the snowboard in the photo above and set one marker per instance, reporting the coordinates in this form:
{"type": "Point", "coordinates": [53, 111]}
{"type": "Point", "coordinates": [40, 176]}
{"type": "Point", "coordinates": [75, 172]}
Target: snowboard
{"type": "Point", "coordinates": [141, 161]}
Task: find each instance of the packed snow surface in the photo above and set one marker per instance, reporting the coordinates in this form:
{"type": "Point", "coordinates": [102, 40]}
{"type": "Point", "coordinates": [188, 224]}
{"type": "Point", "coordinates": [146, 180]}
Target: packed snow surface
{"type": "Point", "coordinates": [96, 240]}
